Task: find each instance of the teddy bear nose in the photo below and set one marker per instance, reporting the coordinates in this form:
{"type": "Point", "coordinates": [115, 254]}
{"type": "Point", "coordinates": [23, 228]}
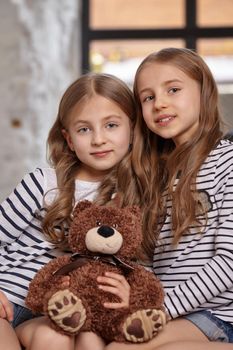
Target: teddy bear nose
{"type": "Point", "coordinates": [105, 231]}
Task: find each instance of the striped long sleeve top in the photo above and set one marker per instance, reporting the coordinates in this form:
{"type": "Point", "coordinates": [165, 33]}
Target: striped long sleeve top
{"type": "Point", "coordinates": [197, 274]}
{"type": "Point", "coordinates": [23, 246]}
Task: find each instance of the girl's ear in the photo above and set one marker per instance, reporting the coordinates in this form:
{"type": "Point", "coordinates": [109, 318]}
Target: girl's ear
{"type": "Point", "coordinates": [67, 137]}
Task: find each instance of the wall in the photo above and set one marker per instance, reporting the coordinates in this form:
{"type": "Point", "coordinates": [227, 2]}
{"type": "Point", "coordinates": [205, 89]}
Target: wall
{"type": "Point", "coordinates": [39, 42]}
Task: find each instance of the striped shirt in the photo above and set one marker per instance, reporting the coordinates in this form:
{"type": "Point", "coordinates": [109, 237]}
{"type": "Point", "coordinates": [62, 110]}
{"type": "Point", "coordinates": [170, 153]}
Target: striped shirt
{"type": "Point", "coordinates": [197, 274]}
{"type": "Point", "coordinates": [23, 246]}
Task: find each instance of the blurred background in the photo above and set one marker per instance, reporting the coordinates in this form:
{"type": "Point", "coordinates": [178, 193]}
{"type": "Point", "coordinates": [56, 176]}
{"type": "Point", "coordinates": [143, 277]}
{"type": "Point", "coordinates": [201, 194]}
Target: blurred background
{"type": "Point", "coordinates": [46, 44]}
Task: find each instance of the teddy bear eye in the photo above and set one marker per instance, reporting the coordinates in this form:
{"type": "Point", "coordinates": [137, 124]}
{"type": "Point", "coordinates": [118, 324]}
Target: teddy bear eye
{"type": "Point", "coordinates": [98, 223]}
{"type": "Point", "coordinates": [114, 225]}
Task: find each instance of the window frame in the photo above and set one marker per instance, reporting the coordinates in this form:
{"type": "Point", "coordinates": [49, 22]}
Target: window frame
{"type": "Point", "coordinates": [190, 33]}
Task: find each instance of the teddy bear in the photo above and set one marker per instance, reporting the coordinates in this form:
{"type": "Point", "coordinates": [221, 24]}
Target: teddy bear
{"type": "Point", "coordinates": [101, 238]}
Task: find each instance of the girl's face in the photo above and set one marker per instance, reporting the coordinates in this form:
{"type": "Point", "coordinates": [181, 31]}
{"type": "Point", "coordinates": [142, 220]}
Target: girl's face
{"type": "Point", "coordinates": [99, 133]}
{"type": "Point", "coordinates": [170, 101]}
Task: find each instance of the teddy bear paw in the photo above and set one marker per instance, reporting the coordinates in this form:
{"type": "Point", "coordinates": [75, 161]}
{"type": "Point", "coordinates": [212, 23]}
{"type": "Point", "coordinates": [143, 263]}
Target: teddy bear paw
{"type": "Point", "coordinates": [67, 311]}
{"type": "Point", "coordinates": [143, 325]}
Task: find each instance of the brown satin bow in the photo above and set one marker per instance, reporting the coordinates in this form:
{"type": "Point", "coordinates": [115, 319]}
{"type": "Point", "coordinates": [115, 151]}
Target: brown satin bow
{"type": "Point", "coordinates": [78, 260]}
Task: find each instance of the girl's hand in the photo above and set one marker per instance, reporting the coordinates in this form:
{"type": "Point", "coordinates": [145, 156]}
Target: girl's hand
{"type": "Point", "coordinates": [117, 285]}
{"type": "Point", "coordinates": [6, 308]}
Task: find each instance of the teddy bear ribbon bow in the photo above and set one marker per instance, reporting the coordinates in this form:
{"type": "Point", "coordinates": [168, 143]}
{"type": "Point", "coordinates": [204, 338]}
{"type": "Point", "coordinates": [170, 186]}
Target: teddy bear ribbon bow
{"type": "Point", "coordinates": [79, 260]}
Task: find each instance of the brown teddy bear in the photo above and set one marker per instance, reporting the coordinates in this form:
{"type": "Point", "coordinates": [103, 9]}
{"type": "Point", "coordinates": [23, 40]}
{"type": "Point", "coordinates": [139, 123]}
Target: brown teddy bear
{"type": "Point", "coordinates": [102, 238]}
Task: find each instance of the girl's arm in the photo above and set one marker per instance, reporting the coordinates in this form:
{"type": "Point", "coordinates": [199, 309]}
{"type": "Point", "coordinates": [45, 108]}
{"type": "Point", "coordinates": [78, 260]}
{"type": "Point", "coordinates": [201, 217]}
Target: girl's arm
{"type": "Point", "coordinates": [17, 211]}
{"type": "Point", "coordinates": [212, 285]}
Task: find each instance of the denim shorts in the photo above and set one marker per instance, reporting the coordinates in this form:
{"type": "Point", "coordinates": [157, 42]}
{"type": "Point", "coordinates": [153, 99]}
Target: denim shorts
{"type": "Point", "coordinates": [21, 314]}
{"type": "Point", "coordinates": [213, 327]}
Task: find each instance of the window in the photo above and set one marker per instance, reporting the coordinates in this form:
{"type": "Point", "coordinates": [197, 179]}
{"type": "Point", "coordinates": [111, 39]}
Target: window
{"type": "Point", "coordinates": [136, 14]}
{"type": "Point", "coordinates": [118, 34]}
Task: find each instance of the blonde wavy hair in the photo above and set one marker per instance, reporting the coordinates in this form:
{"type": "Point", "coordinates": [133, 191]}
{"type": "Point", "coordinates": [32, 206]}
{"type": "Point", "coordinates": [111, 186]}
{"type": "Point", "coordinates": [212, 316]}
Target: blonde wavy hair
{"type": "Point", "coordinates": [65, 161]}
{"type": "Point", "coordinates": [156, 163]}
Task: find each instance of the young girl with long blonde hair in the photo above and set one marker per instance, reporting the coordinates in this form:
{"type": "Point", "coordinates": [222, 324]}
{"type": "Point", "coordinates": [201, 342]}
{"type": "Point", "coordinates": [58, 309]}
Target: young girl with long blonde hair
{"type": "Point", "coordinates": [182, 177]}
{"type": "Point", "coordinates": [90, 137]}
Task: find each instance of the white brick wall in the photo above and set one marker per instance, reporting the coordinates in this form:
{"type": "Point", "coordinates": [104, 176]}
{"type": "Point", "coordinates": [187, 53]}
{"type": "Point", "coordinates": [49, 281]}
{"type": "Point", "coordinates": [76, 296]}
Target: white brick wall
{"type": "Point", "coordinates": [39, 45]}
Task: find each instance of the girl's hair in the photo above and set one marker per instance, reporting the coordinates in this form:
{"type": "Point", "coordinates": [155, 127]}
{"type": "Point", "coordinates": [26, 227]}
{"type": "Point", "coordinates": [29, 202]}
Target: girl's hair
{"type": "Point", "coordinates": [157, 163]}
{"type": "Point", "coordinates": [62, 158]}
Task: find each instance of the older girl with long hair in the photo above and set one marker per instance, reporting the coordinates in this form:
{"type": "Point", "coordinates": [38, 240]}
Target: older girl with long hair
{"type": "Point", "coordinates": [182, 177]}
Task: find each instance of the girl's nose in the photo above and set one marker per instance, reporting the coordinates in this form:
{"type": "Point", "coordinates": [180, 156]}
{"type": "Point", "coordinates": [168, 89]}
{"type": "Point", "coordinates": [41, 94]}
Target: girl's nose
{"type": "Point", "coordinates": [160, 102]}
{"type": "Point", "coordinates": [98, 138]}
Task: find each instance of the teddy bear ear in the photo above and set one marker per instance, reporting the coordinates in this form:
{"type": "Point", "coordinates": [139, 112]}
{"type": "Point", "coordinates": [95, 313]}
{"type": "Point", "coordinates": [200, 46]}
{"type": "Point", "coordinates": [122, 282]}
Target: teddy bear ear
{"type": "Point", "coordinates": [82, 205]}
{"type": "Point", "coordinates": [135, 210]}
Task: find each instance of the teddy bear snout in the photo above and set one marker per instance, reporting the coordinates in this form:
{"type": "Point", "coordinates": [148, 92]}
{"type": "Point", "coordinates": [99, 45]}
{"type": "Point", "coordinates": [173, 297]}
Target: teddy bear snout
{"type": "Point", "coordinates": [105, 231]}
{"type": "Point", "coordinates": [103, 239]}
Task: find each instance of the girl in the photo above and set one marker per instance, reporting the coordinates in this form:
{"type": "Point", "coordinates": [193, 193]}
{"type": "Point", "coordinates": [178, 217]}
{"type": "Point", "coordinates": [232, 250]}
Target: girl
{"type": "Point", "coordinates": [183, 178]}
{"type": "Point", "coordinates": [91, 135]}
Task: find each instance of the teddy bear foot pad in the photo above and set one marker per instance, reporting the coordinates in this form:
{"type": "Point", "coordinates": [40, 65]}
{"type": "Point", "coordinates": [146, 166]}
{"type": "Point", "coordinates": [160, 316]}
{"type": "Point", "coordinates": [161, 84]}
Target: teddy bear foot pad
{"type": "Point", "coordinates": [67, 311]}
{"type": "Point", "coordinates": [143, 325]}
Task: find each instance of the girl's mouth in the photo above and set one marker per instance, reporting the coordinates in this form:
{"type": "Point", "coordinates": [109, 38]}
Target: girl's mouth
{"type": "Point", "coordinates": [165, 120]}
{"type": "Point", "coordinates": [100, 154]}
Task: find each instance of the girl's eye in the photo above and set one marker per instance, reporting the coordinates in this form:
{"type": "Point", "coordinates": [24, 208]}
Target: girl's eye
{"type": "Point", "coordinates": [173, 90]}
{"type": "Point", "coordinates": [148, 98]}
{"type": "Point", "coordinates": [83, 130]}
{"type": "Point", "coordinates": [111, 125]}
